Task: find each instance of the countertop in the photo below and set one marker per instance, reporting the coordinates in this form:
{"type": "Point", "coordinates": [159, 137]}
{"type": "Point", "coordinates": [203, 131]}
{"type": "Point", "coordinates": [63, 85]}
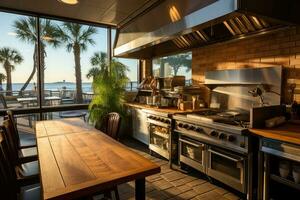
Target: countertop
{"type": "Point", "coordinates": [164, 110]}
{"type": "Point", "coordinates": [287, 132]}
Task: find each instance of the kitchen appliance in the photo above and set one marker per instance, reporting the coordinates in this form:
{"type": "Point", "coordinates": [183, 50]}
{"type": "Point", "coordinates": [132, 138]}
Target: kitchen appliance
{"type": "Point", "coordinates": [280, 169]}
{"type": "Point", "coordinates": [189, 24]}
{"type": "Point", "coordinates": [159, 126]}
{"type": "Point", "coordinates": [215, 142]}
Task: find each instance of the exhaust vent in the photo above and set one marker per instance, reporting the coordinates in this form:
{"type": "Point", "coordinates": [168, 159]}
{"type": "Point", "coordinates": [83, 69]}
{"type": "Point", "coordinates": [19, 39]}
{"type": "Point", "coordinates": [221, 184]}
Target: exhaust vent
{"type": "Point", "coordinates": [232, 27]}
{"type": "Point", "coordinates": [194, 23]}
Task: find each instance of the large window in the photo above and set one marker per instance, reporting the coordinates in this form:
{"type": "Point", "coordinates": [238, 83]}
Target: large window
{"type": "Point", "coordinates": [132, 66]}
{"type": "Point", "coordinates": [58, 60]}
{"type": "Point", "coordinates": [69, 55]}
{"type": "Point", "coordinates": [175, 65]}
{"type": "Point", "coordinates": [18, 61]}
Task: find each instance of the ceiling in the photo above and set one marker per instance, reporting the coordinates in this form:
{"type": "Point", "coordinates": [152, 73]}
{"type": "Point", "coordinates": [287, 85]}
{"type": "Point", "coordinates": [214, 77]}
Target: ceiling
{"type": "Point", "coordinates": [107, 12]}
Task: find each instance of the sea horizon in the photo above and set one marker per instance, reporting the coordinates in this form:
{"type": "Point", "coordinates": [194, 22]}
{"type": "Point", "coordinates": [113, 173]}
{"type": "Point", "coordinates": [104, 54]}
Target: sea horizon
{"type": "Point", "coordinates": [55, 86]}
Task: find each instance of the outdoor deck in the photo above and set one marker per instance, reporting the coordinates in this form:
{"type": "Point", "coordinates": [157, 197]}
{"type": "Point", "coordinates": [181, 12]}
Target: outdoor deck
{"type": "Point", "coordinates": [169, 184]}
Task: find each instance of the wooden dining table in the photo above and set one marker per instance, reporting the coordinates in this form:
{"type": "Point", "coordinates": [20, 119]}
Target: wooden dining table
{"type": "Point", "coordinates": [77, 160]}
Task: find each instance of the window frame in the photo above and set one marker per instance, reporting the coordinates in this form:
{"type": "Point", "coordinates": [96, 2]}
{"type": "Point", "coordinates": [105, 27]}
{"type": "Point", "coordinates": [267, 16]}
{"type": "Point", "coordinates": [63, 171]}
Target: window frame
{"type": "Point", "coordinates": [44, 109]}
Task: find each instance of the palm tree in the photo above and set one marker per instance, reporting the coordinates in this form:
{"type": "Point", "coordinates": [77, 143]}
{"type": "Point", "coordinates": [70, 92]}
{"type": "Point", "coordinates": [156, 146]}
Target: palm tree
{"type": "Point", "coordinates": [99, 61]}
{"type": "Point", "coordinates": [176, 62]}
{"type": "Point", "coordinates": [93, 72]}
{"type": "Point", "coordinates": [2, 78]}
{"type": "Point", "coordinates": [109, 91]}
{"type": "Point", "coordinates": [77, 38]}
{"type": "Point", "coordinates": [26, 30]}
{"type": "Point", "coordinates": [9, 57]}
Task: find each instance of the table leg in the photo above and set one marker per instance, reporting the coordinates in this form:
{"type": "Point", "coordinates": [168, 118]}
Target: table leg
{"type": "Point", "coordinates": [140, 189]}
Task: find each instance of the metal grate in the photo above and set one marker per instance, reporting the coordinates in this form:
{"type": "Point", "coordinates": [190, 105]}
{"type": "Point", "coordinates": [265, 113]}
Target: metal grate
{"type": "Point", "coordinates": [235, 26]}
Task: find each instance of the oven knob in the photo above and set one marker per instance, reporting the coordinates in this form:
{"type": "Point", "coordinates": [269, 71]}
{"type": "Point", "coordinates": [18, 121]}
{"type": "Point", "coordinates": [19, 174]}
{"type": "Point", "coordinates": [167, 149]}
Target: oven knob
{"type": "Point", "coordinates": [161, 119]}
{"type": "Point", "coordinates": [190, 127]}
{"type": "Point", "coordinates": [222, 136]}
{"type": "Point", "coordinates": [199, 130]}
{"type": "Point", "coordinates": [242, 144]}
{"type": "Point", "coordinates": [214, 133]}
{"type": "Point", "coordinates": [185, 126]}
{"type": "Point", "coordinates": [168, 122]}
{"type": "Point", "coordinates": [231, 138]}
{"type": "Point", "coordinates": [180, 125]}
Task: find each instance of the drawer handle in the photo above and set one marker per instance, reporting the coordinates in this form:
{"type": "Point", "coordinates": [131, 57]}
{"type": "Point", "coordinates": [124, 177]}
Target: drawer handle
{"type": "Point", "coordinates": [225, 156]}
{"type": "Point", "coordinates": [192, 143]}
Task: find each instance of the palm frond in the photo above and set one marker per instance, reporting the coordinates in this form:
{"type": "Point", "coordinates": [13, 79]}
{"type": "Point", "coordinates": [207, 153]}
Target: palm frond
{"type": "Point", "coordinates": [26, 29]}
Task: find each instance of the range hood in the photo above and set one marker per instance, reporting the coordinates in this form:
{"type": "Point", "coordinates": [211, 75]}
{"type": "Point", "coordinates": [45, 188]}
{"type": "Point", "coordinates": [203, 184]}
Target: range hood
{"type": "Point", "coordinates": [176, 26]}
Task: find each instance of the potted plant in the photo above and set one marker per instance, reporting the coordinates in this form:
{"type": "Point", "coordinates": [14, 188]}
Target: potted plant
{"type": "Point", "coordinates": [109, 85]}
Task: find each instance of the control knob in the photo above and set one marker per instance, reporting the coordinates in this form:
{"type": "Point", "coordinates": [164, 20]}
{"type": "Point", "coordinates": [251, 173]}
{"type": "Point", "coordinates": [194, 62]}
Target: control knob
{"type": "Point", "coordinates": [180, 125]}
{"type": "Point", "coordinates": [214, 133]}
{"type": "Point", "coordinates": [199, 130]}
{"type": "Point", "coordinates": [222, 136]}
{"type": "Point", "coordinates": [231, 138]}
{"type": "Point", "coordinates": [185, 126]}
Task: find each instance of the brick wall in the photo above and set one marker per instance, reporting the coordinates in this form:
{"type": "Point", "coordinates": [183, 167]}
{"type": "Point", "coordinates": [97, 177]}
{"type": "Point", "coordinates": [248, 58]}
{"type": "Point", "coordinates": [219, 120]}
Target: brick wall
{"type": "Point", "coordinates": [278, 48]}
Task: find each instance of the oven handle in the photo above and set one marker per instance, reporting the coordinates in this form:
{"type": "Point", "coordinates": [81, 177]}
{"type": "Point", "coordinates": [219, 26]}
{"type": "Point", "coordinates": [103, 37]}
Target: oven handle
{"type": "Point", "coordinates": [192, 144]}
{"type": "Point", "coordinates": [225, 156]}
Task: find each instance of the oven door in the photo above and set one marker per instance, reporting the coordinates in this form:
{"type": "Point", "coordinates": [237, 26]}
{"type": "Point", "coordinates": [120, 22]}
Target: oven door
{"type": "Point", "coordinates": [192, 153]}
{"type": "Point", "coordinates": [160, 140]}
{"type": "Point", "coordinates": [227, 167]}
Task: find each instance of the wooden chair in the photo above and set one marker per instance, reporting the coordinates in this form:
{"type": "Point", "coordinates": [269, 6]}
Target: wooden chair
{"type": "Point", "coordinates": [27, 148]}
{"type": "Point", "coordinates": [111, 124]}
{"type": "Point", "coordinates": [10, 184]}
{"type": "Point", "coordinates": [27, 167]}
{"type": "Point", "coordinates": [23, 140]}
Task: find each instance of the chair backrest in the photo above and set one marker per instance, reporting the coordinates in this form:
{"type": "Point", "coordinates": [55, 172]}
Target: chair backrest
{"type": "Point", "coordinates": [13, 144]}
{"type": "Point", "coordinates": [13, 124]}
{"type": "Point", "coordinates": [3, 103]}
{"type": "Point", "coordinates": [8, 189]}
{"type": "Point", "coordinates": [111, 125]}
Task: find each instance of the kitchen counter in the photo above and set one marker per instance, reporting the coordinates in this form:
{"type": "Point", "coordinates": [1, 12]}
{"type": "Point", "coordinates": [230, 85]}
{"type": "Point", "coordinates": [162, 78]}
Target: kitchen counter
{"type": "Point", "coordinates": [287, 132]}
{"type": "Point", "coordinates": [152, 108]}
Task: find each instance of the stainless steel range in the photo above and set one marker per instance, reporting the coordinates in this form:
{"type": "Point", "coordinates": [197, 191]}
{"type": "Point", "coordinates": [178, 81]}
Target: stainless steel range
{"type": "Point", "coordinates": [160, 126]}
{"type": "Point", "coordinates": [216, 143]}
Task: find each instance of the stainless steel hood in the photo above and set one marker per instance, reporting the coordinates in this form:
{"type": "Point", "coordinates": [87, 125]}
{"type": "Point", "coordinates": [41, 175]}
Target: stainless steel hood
{"type": "Point", "coordinates": [175, 25]}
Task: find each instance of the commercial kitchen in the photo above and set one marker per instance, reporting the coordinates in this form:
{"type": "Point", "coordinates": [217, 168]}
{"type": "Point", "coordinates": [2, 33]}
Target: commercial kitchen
{"type": "Point", "coordinates": [214, 112]}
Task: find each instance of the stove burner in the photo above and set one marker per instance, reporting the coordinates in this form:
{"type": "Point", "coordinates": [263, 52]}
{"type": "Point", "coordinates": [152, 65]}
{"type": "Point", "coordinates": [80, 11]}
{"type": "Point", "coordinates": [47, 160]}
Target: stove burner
{"type": "Point", "coordinates": [226, 117]}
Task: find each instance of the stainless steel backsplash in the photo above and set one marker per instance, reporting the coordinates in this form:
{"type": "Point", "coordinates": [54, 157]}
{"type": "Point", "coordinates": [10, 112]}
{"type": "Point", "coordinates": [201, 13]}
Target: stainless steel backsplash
{"type": "Point", "coordinates": [230, 88]}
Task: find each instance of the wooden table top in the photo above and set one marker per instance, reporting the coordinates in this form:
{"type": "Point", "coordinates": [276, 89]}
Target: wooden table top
{"type": "Point", "coordinates": [287, 132]}
{"type": "Point", "coordinates": [78, 160]}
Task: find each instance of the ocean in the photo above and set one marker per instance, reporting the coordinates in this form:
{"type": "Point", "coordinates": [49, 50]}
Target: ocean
{"type": "Point", "coordinates": [86, 87]}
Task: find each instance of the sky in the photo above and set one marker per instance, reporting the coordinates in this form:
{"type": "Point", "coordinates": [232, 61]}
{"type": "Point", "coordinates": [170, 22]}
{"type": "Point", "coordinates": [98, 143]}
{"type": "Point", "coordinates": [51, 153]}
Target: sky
{"type": "Point", "coordinates": [59, 62]}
